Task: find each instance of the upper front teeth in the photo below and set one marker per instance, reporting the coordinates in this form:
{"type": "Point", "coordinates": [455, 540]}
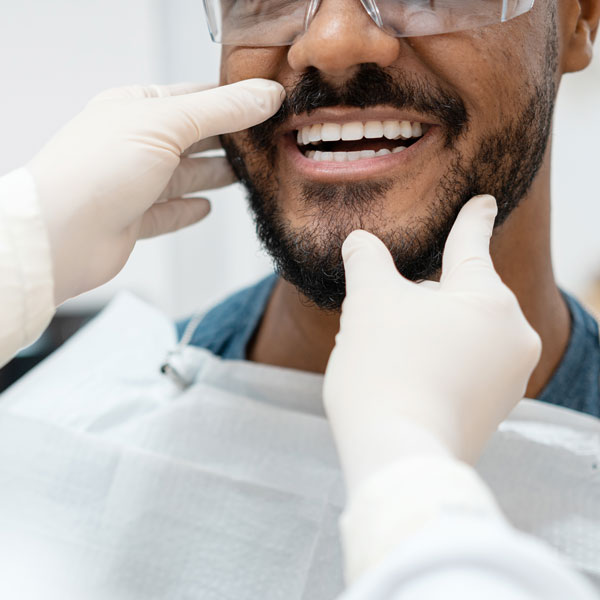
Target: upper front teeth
{"type": "Point", "coordinates": [333, 132]}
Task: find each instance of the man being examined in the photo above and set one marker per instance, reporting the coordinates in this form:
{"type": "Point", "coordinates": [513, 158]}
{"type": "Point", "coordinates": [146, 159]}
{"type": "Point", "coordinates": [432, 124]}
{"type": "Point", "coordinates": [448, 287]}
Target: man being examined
{"type": "Point", "coordinates": [394, 135]}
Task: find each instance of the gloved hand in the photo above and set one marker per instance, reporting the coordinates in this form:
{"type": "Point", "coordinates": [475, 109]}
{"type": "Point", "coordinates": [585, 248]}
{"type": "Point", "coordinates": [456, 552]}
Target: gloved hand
{"type": "Point", "coordinates": [425, 369]}
{"type": "Point", "coordinates": [116, 173]}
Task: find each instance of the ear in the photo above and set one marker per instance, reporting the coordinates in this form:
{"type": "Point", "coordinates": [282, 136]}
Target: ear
{"type": "Point", "coordinates": [582, 18]}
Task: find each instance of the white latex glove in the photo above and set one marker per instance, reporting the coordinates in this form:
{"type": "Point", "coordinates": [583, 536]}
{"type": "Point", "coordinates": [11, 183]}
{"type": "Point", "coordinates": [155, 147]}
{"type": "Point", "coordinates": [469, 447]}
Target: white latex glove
{"type": "Point", "coordinates": [116, 173]}
{"type": "Point", "coordinates": [425, 370]}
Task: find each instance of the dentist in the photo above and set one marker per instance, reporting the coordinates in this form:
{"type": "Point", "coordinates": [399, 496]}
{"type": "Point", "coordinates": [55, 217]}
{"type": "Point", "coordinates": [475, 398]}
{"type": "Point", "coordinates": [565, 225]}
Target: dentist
{"type": "Point", "coordinates": [115, 174]}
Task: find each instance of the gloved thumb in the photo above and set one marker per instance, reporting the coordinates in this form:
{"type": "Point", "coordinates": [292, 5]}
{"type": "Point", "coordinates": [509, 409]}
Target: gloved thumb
{"type": "Point", "coordinates": [367, 262]}
{"type": "Point", "coordinates": [467, 263]}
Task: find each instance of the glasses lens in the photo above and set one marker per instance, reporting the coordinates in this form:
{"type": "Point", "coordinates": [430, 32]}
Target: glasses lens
{"type": "Point", "coordinates": [280, 22]}
{"type": "Point", "coordinates": [402, 18]}
{"type": "Point", "coordinates": [255, 22]}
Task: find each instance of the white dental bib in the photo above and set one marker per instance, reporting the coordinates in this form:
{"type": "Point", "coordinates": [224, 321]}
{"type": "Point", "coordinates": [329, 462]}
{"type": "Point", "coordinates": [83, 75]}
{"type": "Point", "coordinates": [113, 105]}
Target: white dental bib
{"type": "Point", "coordinates": [117, 484]}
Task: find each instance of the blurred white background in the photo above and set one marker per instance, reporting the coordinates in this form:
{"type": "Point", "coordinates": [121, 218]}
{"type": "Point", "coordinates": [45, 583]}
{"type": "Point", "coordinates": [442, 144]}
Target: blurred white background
{"type": "Point", "coordinates": [55, 55]}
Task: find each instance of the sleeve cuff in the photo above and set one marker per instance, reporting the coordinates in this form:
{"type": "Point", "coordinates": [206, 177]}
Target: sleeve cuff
{"type": "Point", "coordinates": [403, 498]}
{"type": "Point", "coordinates": [462, 555]}
{"type": "Point", "coordinates": [27, 285]}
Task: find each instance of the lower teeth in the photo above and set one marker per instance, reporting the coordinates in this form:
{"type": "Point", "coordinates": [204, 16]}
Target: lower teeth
{"type": "Point", "coordinates": [350, 156]}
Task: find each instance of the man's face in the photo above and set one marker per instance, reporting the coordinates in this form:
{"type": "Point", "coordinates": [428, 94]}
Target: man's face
{"type": "Point", "coordinates": [482, 101]}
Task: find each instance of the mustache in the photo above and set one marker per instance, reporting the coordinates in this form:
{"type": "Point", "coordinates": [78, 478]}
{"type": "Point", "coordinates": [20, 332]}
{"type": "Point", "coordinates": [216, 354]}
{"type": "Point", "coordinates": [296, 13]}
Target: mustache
{"type": "Point", "coordinates": [370, 86]}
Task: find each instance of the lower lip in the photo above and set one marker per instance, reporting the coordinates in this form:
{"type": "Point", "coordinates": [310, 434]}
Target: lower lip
{"type": "Point", "coordinates": [329, 171]}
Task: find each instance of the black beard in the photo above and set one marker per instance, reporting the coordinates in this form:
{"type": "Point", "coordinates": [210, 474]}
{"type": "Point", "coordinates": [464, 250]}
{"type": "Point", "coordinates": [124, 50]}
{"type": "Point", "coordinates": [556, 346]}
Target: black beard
{"type": "Point", "coordinates": [505, 166]}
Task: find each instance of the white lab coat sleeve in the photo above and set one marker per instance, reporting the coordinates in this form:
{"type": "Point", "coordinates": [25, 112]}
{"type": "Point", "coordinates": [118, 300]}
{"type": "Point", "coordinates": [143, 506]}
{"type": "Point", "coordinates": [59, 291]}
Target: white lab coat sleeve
{"type": "Point", "coordinates": [428, 529]}
{"type": "Point", "coordinates": [26, 277]}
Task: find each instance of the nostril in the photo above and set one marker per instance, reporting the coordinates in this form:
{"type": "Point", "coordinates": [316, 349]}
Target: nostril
{"type": "Point", "coordinates": [335, 50]}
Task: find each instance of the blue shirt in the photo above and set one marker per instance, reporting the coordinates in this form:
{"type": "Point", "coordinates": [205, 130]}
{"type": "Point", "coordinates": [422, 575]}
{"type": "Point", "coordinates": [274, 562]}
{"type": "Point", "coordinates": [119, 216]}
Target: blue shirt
{"type": "Point", "coordinates": [227, 329]}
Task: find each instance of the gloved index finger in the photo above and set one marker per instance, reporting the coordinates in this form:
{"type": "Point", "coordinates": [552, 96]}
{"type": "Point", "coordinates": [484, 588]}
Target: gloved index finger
{"type": "Point", "coordinates": [177, 89]}
{"type": "Point", "coordinates": [368, 263]}
{"type": "Point", "coordinates": [227, 109]}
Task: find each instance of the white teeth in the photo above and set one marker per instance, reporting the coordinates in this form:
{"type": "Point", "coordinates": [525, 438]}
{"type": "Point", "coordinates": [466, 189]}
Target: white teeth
{"type": "Point", "coordinates": [306, 136]}
{"type": "Point", "coordinates": [353, 131]}
{"type": "Point", "coordinates": [314, 134]}
{"type": "Point", "coordinates": [319, 156]}
{"type": "Point", "coordinates": [405, 129]}
{"type": "Point", "coordinates": [333, 132]}
{"type": "Point", "coordinates": [373, 129]}
{"type": "Point", "coordinates": [391, 129]}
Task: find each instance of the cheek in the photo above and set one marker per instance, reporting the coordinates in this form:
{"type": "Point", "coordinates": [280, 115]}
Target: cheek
{"type": "Point", "coordinates": [492, 69]}
{"type": "Point", "coordinates": [238, 63]}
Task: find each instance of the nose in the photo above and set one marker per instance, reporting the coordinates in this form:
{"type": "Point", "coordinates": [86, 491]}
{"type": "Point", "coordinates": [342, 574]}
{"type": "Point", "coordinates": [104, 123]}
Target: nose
{"type": "Point", "coordinates": [340, 37]}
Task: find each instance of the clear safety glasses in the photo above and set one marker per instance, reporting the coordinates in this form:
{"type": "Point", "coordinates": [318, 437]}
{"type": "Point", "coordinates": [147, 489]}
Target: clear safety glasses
{"type": "Point", "coordinates": [281, 22]}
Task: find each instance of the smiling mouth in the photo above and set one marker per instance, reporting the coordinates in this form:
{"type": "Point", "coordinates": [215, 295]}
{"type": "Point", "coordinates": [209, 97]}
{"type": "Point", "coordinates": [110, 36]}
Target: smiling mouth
{"type": "Point", "coordinates": [353, 141]}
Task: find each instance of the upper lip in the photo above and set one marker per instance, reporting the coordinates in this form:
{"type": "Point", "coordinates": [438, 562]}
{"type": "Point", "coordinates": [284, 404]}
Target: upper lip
{"type": "Point", "coordinates": [348, 115]}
